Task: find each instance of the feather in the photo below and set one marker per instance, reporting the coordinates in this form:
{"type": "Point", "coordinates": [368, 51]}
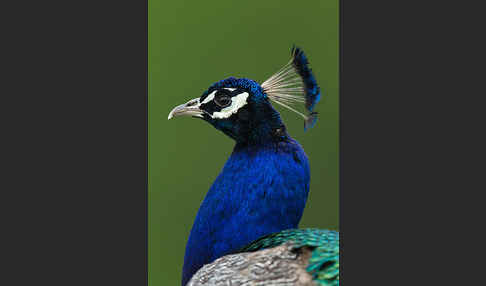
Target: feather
{"type": "Point", "coordinates": [297, 257]}
{"type": "Point", "coordinates": [295, 83]}
{"type": "Point", "coordinates": [323, 263]}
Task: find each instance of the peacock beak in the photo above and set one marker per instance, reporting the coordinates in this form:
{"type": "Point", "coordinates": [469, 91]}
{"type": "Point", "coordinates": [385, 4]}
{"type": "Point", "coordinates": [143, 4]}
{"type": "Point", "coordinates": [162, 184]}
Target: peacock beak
{"type": "Point", "coordinates": [191, 108]}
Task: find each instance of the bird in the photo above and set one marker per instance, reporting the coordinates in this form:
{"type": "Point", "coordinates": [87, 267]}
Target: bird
{"type": "Point", "coordinates": [246, 229]}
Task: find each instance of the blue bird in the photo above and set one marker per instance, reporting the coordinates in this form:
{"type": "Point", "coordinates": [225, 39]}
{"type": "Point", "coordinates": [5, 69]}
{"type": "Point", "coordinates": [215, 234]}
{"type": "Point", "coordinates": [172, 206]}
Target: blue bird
{"type": "Point", "coordinates": [256, 202]}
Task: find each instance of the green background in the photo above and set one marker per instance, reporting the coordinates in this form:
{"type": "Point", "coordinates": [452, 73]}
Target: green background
{"type": "Point", "coordinates": [195, 43]}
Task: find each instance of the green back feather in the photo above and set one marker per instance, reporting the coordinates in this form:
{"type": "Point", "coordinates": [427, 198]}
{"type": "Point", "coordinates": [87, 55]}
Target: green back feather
{"type": "Point", "coordinates": [324, 261]}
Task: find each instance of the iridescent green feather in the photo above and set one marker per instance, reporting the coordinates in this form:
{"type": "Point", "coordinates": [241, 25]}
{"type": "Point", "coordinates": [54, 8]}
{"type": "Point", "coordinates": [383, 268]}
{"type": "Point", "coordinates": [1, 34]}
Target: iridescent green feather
{"type": "Point", "coordinates": [324, 261]}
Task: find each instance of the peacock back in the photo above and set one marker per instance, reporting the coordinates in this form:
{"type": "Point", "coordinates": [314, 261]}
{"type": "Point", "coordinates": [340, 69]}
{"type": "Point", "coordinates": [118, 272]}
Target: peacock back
{"type": "Point", "coordinates": [295, 257]}
{"type": "Point", "coordinates": [323, 263]}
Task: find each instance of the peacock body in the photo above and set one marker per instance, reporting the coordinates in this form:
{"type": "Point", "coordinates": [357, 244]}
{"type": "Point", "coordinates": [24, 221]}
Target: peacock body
{"type": "Point", "coordinates": [252, 210]}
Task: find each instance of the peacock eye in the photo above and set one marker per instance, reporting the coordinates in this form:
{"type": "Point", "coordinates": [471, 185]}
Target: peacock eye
{"type": "Point", "coordinates": [222, 99]}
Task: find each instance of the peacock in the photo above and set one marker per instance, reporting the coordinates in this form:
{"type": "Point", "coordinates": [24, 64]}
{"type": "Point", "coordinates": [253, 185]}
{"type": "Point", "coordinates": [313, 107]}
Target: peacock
{"type": "Point", "coordinates": [245, 232]}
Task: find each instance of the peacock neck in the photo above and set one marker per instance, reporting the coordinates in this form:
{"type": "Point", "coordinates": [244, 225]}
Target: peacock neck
{"type": "Point", "coordinates": [262, 189]}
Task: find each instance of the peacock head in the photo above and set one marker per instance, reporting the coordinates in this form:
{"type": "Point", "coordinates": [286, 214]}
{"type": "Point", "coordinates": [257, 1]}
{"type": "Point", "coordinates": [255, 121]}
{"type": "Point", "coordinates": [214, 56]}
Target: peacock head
{"type": "Point", "coordinates": [242, 109]}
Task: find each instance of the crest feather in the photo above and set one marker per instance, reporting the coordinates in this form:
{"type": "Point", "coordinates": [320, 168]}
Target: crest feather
{"type": "Point", "coordinates": [294, 83]}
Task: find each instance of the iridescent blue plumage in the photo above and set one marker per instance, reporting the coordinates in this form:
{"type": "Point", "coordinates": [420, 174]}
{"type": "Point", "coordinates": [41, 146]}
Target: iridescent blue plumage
{"type": "Point", "coordinates": [311, 89]}
{"type": "Point", "coordinates": [263, 187]}
{"type": "Point", "coordinates": [244, 83]}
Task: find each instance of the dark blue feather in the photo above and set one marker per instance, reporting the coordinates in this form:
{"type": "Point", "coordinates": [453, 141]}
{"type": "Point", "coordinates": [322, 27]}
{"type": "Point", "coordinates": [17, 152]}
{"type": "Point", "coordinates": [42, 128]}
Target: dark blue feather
{"type": "Point", "coordinates": [311, 89]}
{"type": "Point", "coordinates": [261, 190]}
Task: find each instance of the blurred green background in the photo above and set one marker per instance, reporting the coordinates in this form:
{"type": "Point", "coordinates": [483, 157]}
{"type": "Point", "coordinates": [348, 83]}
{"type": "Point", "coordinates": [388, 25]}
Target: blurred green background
{"type": "Point", "coordinates": [195, 43]}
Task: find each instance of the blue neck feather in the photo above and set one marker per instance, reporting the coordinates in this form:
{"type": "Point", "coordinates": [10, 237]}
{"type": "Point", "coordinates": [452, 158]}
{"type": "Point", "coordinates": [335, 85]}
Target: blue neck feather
{"type": "Point", "coordinates": [262, 189]}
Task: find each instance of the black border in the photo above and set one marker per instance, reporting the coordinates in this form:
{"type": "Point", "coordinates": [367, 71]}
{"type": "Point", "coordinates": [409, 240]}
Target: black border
{"type": "Point", "coordinates": [405, 146]}
{"type": "Point", "coordinates": [75, 179]}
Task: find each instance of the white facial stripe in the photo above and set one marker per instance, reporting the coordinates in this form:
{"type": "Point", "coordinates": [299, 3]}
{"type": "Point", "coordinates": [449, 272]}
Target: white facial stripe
{"type": "Point", "coordinates": [209, 97]}
{"type": "Point", "coordinates": [237, 102]}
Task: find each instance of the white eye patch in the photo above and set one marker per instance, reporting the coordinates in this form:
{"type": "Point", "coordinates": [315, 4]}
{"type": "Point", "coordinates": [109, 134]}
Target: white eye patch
{"type": "Point", "coordinates": [237, 102]}
{"type": "Point", "coordinates": [211, 96]}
